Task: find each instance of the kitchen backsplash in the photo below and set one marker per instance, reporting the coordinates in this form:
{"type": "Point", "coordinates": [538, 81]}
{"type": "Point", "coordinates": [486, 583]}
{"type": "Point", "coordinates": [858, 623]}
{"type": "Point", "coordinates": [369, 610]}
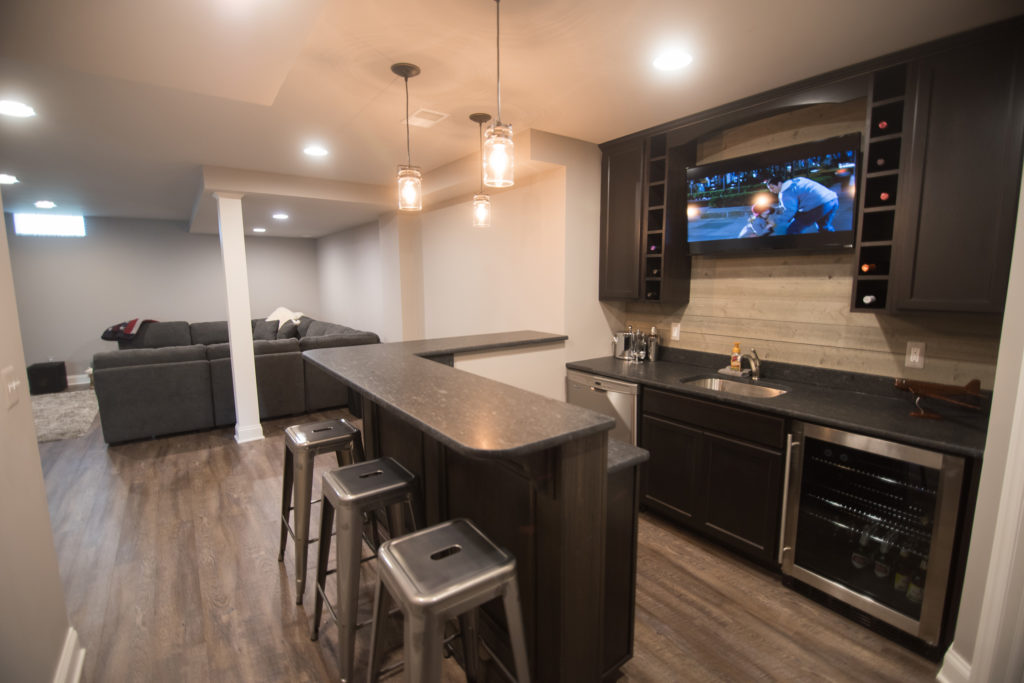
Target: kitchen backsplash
{"type": "Point", "coordinates": [796, 309]}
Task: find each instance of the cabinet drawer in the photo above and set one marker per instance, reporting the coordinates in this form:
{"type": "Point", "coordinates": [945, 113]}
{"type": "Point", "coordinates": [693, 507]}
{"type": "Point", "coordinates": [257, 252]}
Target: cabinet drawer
{"type": "Point", "coordinates": [743, 424]}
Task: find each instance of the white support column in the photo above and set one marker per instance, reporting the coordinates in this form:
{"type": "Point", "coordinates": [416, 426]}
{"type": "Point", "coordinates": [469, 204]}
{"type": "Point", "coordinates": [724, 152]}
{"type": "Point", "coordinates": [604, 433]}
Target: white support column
{"type": "Point", "coordinates": [236, 276]}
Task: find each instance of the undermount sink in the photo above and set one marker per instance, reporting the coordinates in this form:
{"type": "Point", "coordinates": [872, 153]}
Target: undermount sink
{"type": "Point", "coordinates": [731, 386]}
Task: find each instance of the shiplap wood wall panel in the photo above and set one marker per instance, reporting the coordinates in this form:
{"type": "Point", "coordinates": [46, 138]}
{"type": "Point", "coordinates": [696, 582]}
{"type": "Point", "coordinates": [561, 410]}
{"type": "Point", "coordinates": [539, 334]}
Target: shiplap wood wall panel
{"type": "Point", "coordinates": [795, 308]}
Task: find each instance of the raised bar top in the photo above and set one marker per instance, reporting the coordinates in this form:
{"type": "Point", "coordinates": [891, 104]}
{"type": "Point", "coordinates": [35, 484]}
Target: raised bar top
{"type": "Point", "coordinates": [473, 415]}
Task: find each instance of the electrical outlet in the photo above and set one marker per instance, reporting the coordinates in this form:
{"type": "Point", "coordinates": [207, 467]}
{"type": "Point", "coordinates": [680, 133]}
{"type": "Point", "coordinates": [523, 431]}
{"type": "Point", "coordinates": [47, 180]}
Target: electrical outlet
{"type": "Point", "coordinates": [915, 354]}
{"type": "Point", "coordinates": [675, 331]}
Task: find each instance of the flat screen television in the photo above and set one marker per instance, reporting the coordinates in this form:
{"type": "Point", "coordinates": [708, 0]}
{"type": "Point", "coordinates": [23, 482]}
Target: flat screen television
{"type": "Point", "coordinates": [730, 208]}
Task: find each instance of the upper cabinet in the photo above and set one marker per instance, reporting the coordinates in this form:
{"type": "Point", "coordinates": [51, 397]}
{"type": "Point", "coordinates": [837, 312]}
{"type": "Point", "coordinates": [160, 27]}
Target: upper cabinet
{"type": "Point", "coordinates": [644, 254]}
{"type": "Point", "coordinates": [956, 212]}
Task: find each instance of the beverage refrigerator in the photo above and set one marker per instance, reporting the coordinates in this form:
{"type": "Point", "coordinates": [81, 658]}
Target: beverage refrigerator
{"type": "Point", "coordinates": [872, 523]}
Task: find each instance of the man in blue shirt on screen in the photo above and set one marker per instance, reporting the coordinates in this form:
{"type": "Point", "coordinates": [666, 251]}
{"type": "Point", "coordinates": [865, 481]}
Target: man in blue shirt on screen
{"type": "Point", "coordinates": [809, 203]}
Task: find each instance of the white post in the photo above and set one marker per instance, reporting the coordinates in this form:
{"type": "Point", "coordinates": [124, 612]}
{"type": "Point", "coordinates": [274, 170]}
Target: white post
{"type": "Point", "coordinates": [236, 277]}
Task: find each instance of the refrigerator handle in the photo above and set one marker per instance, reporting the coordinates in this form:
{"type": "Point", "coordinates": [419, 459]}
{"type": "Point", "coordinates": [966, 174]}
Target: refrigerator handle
{"type": "Point", "coordinates": [785, 497]}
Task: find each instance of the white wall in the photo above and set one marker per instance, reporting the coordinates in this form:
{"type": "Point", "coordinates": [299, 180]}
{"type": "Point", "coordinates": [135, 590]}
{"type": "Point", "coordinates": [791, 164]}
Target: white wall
{"type": "Point", "coordinates": [33, 615]}
{"type": "Point", "coordinates": [350, 277]}
{"type": "Point", "coordinates": [70, 289]}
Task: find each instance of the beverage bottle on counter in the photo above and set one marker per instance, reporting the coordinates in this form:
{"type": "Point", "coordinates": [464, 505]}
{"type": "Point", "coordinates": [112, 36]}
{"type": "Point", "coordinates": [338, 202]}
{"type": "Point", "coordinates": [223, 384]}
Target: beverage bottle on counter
{"type": "Point", "coordinates": [861, 555]}
{"type": "Point", "coordinates": [915, 591]}
{"type": "Point", "coordinates": [653, 342]}
{"type": "Point", "coordinates": [904, 569]}
{"type": "Point", "coordinates": [735, 361]}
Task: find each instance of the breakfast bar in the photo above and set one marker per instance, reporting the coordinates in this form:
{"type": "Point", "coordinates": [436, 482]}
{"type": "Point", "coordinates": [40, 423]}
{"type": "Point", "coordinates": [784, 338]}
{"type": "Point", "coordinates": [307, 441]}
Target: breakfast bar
{"type": "Point", "coordinates": [530, 471]}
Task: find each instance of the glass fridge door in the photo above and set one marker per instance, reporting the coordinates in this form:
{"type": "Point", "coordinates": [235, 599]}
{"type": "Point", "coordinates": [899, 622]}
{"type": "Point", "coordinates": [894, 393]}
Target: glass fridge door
{"type": "Point", "coordinates": [876, 521]}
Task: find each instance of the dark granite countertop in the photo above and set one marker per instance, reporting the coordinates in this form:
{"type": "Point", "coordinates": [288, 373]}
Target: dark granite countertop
{"type": "Point", "coordinates": [473, 415]}
{"type": "Point", "coordinates": [859, 403]}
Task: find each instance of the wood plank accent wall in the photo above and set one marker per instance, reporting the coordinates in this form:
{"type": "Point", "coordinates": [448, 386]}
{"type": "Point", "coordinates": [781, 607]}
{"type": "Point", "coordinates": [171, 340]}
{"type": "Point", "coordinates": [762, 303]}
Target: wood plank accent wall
{"type": "Point", "coordinates": [795, 308]}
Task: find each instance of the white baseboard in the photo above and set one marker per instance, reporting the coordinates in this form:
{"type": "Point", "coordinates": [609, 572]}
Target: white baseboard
{"type": "Point", "coordinates": [72, 657]}
{"type": "Point", "coordinates": [78, 380]}
{"type": "Point", "coordinates": [248, 433]}
{"type": "Point", "coordinates": [955, 669]}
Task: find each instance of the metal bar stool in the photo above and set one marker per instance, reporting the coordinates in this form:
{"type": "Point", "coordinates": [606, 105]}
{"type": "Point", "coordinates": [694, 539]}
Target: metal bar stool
{"type": "Point", "coordinates": [301, 444]}
{"type": "Point", "coordinates": [436, 574]}
{"type": "Point", "coordinates": [350, 495]}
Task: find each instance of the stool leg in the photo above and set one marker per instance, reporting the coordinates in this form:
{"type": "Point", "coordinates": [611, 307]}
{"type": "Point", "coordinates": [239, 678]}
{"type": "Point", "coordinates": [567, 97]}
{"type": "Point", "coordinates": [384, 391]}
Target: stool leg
{"type": "Point", "coordinates": [381, 607]}
{"type": "Point", "coordinates": [348, 552]}
{"type": "Point", "coordinates": [322, 556]}
{"type": "Point", "coordinates": [470, 646]}
{"type": "Point", "coordinates": [515, 631]}
{"type": "Point", "coordinates": [357, 447]}
{"type": "Point", "coordinates": [303, 494]}
{"type": "Point", "coordinates": [424, 643]}
{"type": "Point", "coordinates": [286, 500]}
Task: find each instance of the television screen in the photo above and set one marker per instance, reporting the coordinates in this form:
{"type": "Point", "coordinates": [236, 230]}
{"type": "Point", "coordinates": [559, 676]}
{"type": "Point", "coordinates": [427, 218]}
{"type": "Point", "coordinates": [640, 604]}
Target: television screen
{"type": "Point", "coordinates": [799, 197]}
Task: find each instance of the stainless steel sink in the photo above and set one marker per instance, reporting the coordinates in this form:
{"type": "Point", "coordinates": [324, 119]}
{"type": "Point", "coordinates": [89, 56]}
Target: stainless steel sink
{"type": "Point", "coordinates": [731, 386]}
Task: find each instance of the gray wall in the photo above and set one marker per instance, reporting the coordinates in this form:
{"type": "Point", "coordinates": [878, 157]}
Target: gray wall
{"type": "Point", "coordinates": [33, 616]}
{"type": "Point", "coordinates": [70, 289]}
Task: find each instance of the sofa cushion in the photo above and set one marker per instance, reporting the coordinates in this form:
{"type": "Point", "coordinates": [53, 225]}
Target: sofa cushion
{"type": "Point", "coordinates": [319, 328]}
{"type": "Point", "coordinates": [215, 351]}
{"type": "Point", "coordinates": [210, 333]}
{"type": "Point", "coordinates": [288, 330]}
{"type": "Point", "coordinates": [130, 357]}
{"type": "Point", "coordinates": [303, 325]}
{"type": "Point", "coordinates": [326, 341]}
{"type": "Point", "coordinates": [263, 347]}
{"type": "Point", "coordinates": [264, 329]}
{"type": "Point", "coordinates": [153, 335]}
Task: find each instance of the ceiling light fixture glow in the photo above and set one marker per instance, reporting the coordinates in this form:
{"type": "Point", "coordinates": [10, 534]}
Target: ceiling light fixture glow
{"type": "Point", "coordinates": [280, 216]}
{"type": "Point", "coordinates": [259, 229]}
{"type": "Point", "coordinates": [410, 187]}
{"type": "Point", "coordinates": [45, 204]}
{"type": "Point", "coordinates": [672, 59]}
{"type": "Point", "coordinates": [15, 108]}
{"type": "Point", "coordinates": [315, 151]}
{"type": "Point", "coordinates": [7, 179]}
{"type": "Point", "coordinates": [499, 150]}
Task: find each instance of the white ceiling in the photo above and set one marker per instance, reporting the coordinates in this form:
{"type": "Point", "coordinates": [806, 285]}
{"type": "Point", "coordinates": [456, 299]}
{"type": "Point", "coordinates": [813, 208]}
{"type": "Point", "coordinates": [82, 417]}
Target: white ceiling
{"type": "Point", "coordinates": [135, 99]}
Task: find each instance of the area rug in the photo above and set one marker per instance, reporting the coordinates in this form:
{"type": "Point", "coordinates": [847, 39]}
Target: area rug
{"type": "Point", "coordinates": [64, 415]}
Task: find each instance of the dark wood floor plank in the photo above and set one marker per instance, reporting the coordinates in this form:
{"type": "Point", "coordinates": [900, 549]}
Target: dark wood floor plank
{"type": "Point", "coordinates": [168, 556]}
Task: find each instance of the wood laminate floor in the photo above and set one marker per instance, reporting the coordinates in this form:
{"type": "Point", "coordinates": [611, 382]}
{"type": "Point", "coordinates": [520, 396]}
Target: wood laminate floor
{"type": "Point", "coordinates": [168, 555]}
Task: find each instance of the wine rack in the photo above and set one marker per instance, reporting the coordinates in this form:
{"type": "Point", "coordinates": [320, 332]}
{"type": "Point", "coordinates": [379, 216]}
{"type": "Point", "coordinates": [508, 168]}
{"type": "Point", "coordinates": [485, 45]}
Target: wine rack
{"type": "Point", "coordinates": [654, 216]}
{"type": "Point", "coordinates": [880, 189]}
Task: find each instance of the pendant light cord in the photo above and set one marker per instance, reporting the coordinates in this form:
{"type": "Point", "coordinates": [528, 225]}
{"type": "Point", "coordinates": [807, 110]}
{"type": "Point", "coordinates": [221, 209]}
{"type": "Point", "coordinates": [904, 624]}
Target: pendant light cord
{"type": "Point", "coordinates": [497, 42]}
{"type": "Point", "coordinates": [408, 144]}
{"type": "Point", "coordinates": [480, 139]}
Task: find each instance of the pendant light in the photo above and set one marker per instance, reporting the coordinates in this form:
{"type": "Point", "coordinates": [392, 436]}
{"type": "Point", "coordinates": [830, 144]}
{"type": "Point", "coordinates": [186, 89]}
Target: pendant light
{"type": "Point", "coordinates": [481, 202]}
{"type": "Point", "coordinates": [499, 159]}
{"type": "Point", "coordinates": [410, 189]}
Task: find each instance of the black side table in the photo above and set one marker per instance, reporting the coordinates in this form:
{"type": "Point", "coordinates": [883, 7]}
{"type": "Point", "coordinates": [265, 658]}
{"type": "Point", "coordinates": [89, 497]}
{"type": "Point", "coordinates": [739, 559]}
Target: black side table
{"type": "Point", "coordinates": [47, 378]}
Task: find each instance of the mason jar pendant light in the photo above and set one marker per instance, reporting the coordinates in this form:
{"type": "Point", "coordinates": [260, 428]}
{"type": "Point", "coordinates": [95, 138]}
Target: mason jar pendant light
{"type": "Point", "coordinates": [499, 160]}
{"type": "Point", "coordinates": [481, 202]}
{"type": "Point", "coordinates": [410, 189]}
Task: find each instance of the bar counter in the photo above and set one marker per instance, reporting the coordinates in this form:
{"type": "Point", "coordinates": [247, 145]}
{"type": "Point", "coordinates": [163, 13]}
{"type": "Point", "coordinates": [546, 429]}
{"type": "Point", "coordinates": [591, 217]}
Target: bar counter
{"type": "Point", "coordinates": [531, 471]}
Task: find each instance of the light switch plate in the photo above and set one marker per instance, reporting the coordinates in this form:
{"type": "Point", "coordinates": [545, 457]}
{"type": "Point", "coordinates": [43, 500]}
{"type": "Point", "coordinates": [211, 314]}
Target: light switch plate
{"type": "Point", "coordinates": [915, 354]}
{"type": "Point", "coordinates": [675, 331]}
{"type": "Point", "coordinates": [12, 386]}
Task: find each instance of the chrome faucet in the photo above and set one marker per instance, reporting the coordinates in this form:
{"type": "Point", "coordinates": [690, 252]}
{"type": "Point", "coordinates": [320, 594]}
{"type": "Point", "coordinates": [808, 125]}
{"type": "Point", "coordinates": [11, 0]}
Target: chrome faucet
{"type": "Point", "coordinates": [755, 364]}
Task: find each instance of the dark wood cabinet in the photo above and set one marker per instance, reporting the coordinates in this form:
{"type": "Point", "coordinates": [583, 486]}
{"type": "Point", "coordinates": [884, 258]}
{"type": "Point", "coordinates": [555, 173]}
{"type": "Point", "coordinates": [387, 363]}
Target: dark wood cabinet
{"type": "Point", "coordinates": [644, 253]}
{"type": "Point", "coordinates": [957, 213]}
{"type": "Point", "coordinates": [622, 176]}
{"type": "Point", "coordinates": [715, 469]}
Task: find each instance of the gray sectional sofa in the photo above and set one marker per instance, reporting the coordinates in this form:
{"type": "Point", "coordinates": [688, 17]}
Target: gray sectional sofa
{"type": "Point", "coordinates": [176, 376]}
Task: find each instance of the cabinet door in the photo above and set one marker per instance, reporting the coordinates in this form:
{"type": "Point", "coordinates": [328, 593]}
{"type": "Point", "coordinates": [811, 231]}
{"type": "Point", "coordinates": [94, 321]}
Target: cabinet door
{"type": "Point", "coordinates": [621, 204]}
{"type": "Point", "coordinates": [674, 470]}
{"type": "Point", "coordinates": [955, 225]}
{"type": "Point", "coordinates": [743, 485]}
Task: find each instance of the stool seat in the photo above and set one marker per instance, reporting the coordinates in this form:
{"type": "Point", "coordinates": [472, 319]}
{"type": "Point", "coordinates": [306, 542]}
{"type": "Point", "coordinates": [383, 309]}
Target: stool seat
{"type": "Point", "coordinates": [301, 444]}
{"type": "Point", "coordinates": [436, 574]}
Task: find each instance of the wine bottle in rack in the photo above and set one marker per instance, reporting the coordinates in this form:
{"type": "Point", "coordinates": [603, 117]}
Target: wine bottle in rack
{"type": "Point", "coordinates": [869, 299]}
{"type": "Point", "coordinates": [869, 267]}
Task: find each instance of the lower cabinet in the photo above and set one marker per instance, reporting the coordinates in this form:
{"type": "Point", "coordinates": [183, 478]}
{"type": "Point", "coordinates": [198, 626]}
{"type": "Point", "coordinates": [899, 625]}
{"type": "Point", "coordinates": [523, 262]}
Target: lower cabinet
{"type": "Point", "coordinates": [726, 486]}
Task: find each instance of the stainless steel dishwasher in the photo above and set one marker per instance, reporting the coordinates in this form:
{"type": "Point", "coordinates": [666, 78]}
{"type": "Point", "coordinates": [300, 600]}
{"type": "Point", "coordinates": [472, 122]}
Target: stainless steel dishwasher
{"type": "Point", "coordinates": [611, 397]}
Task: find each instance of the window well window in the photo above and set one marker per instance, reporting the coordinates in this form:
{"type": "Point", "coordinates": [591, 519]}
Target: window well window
{"type": "Point", "coordinates": [51, 225]}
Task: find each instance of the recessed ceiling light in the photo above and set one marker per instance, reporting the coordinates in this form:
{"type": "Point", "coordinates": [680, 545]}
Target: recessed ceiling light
{"type": "Point", "coordinates": [14, 108]}
{"type": "Point", "coordinates": [259, 229]}
{"type": "Point", "coordinates": [7, 179]}
{"type": "Point", "coordinates": [280, 216]}
{"type": "Point", "coordinates": [45, 204]}
{"type": "Point", "coordinates": [315, 151]}
{"type": "Point", "coordinates": [672, 59]}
